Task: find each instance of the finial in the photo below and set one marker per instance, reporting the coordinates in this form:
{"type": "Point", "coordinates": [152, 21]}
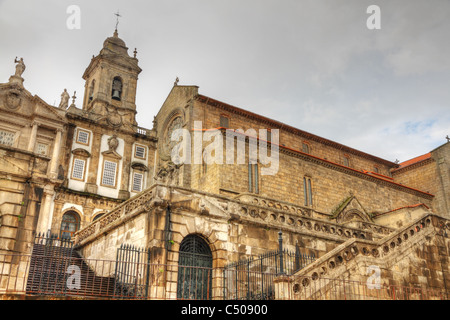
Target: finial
{"type": "Point", "coordinates": [176, 81]}
{"type": "Point", "coordinates": [117, 22]}
{"type": "Point", "coordinates": [73, 99]}
{"type": "Point", "coordinates": [397, 161]}
{"type": "Point", "coordinates": [448, 139]}
{"type": "Point", "coordinates": [135, 52]}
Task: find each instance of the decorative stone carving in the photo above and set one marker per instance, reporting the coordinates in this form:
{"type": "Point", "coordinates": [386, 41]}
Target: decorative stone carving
{"type": "Point", "coordinates": [20, 67]}
{"type": "Point", "coordinates": [13, 100]}
{"type": "Point", "coordinates": [167, 143]}
{"type": "Point", "coordinates": [64, 100]}
{"type": "Point", "coordinates": [113, 117]}
{"type": "Point", "coordinates": [168, 174]}
{"type": "Point", "coordinates": [113, 143]}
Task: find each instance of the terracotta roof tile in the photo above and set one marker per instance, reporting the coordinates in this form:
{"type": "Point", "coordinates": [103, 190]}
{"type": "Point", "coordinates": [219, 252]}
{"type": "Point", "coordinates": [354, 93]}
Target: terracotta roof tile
{"type": "Point", "coordinates": [414, 160]}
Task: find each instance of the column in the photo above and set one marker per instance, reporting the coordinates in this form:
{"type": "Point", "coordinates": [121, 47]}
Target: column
{"type": "Point", "coordinates": [95, 165]}
{"type": "Point", "coordinates": [44, 221]}
{"type": "Point", "coordinates": [124, 191]}
{"type": "Point", "coordinates": [56, 151]}
{"type": "Point", "coordinates": [32, 141]}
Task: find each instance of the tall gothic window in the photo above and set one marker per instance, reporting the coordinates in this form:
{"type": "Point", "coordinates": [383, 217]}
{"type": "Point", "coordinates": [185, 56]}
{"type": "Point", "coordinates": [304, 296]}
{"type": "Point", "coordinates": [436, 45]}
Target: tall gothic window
{"type": "Point", "coordinates": [307, 191]}
{"type": "Point", "coordinates": [253, 180]}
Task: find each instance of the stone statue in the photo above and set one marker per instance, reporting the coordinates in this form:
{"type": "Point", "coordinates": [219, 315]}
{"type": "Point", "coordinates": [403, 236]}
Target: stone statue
{"type": "Point", "coordinates": [20, 67]}
{"type": "Point", "coordinates": [64, 100]}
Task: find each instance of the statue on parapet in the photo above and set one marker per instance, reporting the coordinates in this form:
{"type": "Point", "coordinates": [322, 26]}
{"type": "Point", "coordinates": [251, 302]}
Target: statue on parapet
{"type": "Point", "coordinates": [64, 100]}
{"type": "Point", "coordinates": [20, 67]}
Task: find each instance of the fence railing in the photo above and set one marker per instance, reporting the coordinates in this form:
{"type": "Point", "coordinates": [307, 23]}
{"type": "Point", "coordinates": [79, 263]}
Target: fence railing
{"type": "Point", "coordinates": [132, 272]}
{"type": "Point", "coordinates": [253, 278]}
{"type": "Point", "coordinates": [90, 278]}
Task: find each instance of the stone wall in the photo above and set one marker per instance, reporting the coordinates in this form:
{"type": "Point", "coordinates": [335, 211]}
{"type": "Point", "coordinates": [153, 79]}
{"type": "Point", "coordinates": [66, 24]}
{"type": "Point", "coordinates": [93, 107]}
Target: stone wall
{"type": "Point", "coordinates": [431, 175]}
{"type": "Point", "coordinates": [331, 184]}
{"type": "Point", "coordinates": [209, 112]}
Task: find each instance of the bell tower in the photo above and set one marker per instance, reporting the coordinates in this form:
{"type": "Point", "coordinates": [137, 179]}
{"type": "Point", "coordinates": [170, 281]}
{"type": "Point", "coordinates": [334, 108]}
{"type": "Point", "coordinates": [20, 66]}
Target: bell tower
{"type": "Point", "coordinates": [111, 83]}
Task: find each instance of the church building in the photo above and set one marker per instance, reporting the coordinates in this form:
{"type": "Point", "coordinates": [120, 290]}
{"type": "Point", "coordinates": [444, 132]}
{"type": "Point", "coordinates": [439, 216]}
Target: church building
{"type": "Point", "coordinates": [86, 172]}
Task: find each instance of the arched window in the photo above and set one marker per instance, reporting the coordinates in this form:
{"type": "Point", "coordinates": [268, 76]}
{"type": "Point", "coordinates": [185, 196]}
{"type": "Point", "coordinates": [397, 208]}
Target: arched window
{"type": "Point", "coordinates": [91, 90]}
{"type": "Point", "coordinates": [117, 89]}
{"type": "Point", "coordinates": [307, 191]}
{"type": "Point", "coordinates": [69, 225]}
{"type": "Point", "coordinates": [194, 269]}
{"type": "Point", "coordinates": [98, 216]}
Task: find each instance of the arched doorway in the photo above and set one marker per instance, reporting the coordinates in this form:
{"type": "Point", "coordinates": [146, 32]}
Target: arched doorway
{"type": "Point", "coordinates": [194, 269]}
{"type": "Point", "coordinates": [69, 225]}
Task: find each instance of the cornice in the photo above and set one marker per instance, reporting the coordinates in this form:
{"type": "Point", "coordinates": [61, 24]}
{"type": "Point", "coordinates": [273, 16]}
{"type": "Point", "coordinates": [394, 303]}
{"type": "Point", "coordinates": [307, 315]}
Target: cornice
{"type": "Point", "coordinates": [279, 125]}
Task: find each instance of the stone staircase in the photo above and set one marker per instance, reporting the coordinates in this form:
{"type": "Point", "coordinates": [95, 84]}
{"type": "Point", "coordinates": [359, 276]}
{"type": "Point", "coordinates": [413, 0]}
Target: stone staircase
{"type": "Point", "coordinates": [58, 269]}
{"type": "Point", "coordinates": [347, 270]}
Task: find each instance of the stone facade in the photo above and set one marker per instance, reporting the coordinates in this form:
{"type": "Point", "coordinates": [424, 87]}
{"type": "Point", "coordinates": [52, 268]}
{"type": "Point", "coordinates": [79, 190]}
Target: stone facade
{"type": "Point", "coordinates": [54, 158]}
{"type": "Point", "coordinates": [431, 173]}
{"type": "Point", "coordinates": [91, 173]}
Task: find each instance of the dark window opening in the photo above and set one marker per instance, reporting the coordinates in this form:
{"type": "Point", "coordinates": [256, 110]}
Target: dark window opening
{"type": "Point", "coordinates": [69, 225]}
{"type": "Point", "coordinates": [194, 269]}
{"type": "Point", "coordinates": [117, 89]}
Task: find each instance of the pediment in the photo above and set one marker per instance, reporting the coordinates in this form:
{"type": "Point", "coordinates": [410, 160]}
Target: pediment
{"type": "Point", "coordinates": [139, 166]}
{"type": "Point", "coordinates": [47, 111]}
{"type": "Point", "coordinates": [17, 100]}
{"type": "Point", "coordinates": [350, 210]}
{"type": "Point", "coordinates": [81, 152]}
{"type": "Point", "coordinates": [112, 154]}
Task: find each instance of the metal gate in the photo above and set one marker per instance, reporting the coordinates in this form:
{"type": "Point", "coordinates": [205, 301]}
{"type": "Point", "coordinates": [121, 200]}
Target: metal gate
{"type": "Point", "coordinates": [194, 269]}
{"type": "Point", "coordinates": [132, 272]}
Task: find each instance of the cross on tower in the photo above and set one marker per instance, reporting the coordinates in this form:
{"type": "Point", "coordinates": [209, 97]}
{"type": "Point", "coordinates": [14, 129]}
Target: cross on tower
{"type": "Point", "coordinates": [117, 18]}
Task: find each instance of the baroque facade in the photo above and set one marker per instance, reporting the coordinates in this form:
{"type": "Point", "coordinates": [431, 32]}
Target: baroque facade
{"type": "Point", "coordinates": [92, 174]}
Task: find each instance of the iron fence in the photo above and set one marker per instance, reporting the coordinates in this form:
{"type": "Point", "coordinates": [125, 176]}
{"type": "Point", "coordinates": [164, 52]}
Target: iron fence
{"type": "Point", "coordinates": [55, 269]}
{"type": "Point", "coordinates": [91, 278]}
{"type": "Point", "coordinates": [50, 259]}
{"type": "Point", "coordinates": [132, 272]}
{"type": "Point", "coordinates": [253, 278]}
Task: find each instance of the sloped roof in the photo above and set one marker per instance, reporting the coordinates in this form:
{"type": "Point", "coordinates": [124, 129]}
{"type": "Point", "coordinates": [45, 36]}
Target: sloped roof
{"type": "Point", "coordinates": [414, 160]}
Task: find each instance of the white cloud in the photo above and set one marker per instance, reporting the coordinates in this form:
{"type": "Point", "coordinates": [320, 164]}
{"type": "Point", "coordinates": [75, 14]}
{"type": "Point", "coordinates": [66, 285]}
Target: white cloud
{"type": "Point", "coordinates": [311, 63]}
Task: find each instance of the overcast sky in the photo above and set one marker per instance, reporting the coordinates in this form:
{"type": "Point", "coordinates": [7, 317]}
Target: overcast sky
{"type": "Point", "coordinates": [314, 65]}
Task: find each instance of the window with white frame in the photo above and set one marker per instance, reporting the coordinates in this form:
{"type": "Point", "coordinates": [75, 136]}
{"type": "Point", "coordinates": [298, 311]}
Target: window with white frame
{"type": "Point", "coordinates": [139, 151]}
{"type": "Point", "coordinates": [7, 137]}
{"type": "Point", "coordinates": [83, 136]}
{"type": "Point", "coordinates": [78, 169]}
{"type": "Point", "coordinates": [138, 181]}
{"type": "Point", "coordinates": [109, 173]}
